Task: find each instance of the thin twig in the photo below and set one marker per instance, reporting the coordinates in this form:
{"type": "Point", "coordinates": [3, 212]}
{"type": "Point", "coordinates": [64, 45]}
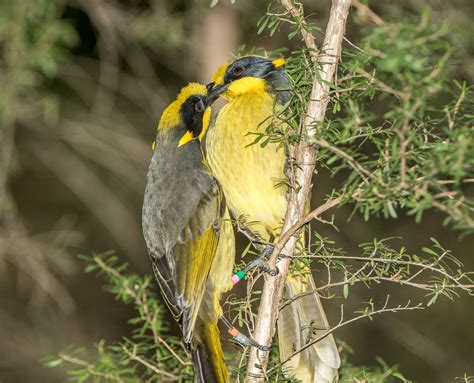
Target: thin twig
{"type": "Point", "coordinates": [369, 314]}
{"type": "Point", "coordinates": [141, 301]}
{"type": "Point", "coordinates": [91, 369]}
{"type": "Point", "coordinates": [133, 355]}
{"type": "Point", "coordinates": [383, 87]}
{"type": "Point", "coordinates": [366, 11]}
{"type": "Point", "coordinates": [330, 203]}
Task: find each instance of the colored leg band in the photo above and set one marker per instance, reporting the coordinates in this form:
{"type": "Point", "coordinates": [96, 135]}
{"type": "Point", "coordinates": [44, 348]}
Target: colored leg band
{"type": "Point", "coordinates": [241, 338]}
{"type": "Point", "coordinates": [246, 341]}
{"type": "Point", "coordinates": [237, 277]}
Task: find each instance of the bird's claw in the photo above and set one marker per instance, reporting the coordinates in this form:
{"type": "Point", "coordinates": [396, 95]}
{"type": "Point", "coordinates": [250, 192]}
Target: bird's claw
{"type": "Point", "coordinates": [263, 265]}
{"type": "Point", "coordinates": [247, 341]}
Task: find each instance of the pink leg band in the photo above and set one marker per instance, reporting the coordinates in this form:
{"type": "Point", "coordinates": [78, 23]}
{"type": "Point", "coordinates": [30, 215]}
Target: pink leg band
{"type": "Point", "coordinates": [234, 279]}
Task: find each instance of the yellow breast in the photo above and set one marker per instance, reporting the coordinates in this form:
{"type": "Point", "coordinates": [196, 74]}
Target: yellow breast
{"type": "Point", "coordinates": [248, 173]}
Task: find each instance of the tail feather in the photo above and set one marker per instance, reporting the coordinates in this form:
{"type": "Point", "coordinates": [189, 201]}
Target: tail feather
{"type": "Point", "coordinates": [300, 321]}
{"type": "Point", "coordinates": [208, 357]}
{"type": "Point", "coordinates": [207, 351]}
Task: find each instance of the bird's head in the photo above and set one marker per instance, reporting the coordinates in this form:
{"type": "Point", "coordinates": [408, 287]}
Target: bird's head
{"type": "Point", "coordinates": [251, 74]}
{"type": "Point", "coordinates": [191, 109]}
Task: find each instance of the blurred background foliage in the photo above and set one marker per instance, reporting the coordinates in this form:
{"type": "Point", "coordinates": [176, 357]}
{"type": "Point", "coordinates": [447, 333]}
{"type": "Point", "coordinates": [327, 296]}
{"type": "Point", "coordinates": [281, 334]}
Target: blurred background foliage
{"type": "Point", "coordinates": [82, 85]}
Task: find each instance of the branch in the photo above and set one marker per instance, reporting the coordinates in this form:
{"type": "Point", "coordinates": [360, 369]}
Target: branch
{"type": "Point", "coordinates": [366, 314]}
{"type": "Point", "coordinates": [134, 356]}
{"type": "Point", "coordinates": [141, 301]}
{"type": "Point", "coordinates": [367, 12]}
{"type": "Point", "coordinates": [305, 154]}
{"type": "Point", "coordinates": [329, 204]}
{"type": "Point", "coordinates": [90, 368]}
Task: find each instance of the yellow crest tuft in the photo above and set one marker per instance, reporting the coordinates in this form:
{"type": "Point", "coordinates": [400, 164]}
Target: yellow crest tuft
{"type": "Point", "coordinates": [193, 88]}
{"type": "Point", "coordinates": [171, 115]}
{"type": "Point", "coordinates": [218, 76]}
{"type": "Point", "coordinates": [278, 62]}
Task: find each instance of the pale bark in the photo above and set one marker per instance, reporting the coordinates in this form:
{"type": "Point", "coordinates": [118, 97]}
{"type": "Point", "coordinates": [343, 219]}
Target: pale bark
{"type": "Point", "coordinates": [215, 37]}
{"type": "Point", "coordinates": [305, 156]}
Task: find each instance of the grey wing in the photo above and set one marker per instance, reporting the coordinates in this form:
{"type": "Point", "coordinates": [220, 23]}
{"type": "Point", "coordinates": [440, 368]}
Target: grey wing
{"type": "Point", "coordinates": [181, 208]}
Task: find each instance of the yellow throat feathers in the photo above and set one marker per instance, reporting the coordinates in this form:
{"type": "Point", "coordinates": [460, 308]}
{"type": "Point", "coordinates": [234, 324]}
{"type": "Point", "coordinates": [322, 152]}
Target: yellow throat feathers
{"type": "Point", "coordinates": [171, 116]}
{"type": "Point", "coordinates": [243, 86]}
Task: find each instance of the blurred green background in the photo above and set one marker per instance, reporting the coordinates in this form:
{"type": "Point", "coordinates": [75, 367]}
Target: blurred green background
{"type": "Point", "coordinates": [82, 86]}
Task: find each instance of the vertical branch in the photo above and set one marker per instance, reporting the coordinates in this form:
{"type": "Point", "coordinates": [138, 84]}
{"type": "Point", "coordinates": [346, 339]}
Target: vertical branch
{"type": "Point", "coordinates": [305, 155]}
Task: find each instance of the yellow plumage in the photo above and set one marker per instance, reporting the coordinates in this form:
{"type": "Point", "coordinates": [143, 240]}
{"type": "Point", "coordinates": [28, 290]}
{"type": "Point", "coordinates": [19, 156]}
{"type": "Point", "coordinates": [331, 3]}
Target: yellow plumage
{"type": "Point", "coordinates": [217, 284]}
{"type": "Point", "coordinates": [248, 175]}
{"type": "Point", "coordinates": [236, 163]}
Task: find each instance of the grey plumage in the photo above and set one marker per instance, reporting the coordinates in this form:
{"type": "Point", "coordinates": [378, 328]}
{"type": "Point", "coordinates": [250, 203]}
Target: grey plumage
{"type": "Point", "coordinates": [181, 202]}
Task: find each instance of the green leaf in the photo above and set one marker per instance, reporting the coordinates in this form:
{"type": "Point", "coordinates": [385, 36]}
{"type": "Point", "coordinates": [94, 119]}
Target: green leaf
{"type": "Point", "coordinates": [429, 251]}
{"type": "Point", "coordinates": [263, 25]}
{"type": "Point", "coordinates": [53, 363]}
{"type": "Point", "coordinates": [391, 210]}
{"type": "Point", "coordinates": [432, 300]}
{"type": "Point", "coordinates": [435, 241]}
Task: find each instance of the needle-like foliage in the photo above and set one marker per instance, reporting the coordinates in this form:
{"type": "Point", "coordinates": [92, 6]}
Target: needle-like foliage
{"type": "Point", "coordinates": [397, 140]}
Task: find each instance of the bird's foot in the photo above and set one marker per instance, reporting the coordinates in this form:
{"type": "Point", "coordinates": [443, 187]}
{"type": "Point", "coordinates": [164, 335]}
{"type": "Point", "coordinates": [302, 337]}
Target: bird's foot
{"type": "Point", "coordinates": [262, 264]}
{"type": "Point", "coordinates": [259, 262]}
{"type": "Point", "coordinates": [242, 339]}
{"type": "Point", "coordinates": [290, 167]}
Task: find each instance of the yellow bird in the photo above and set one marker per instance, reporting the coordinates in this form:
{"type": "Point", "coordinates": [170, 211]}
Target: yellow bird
{"type": "Point", "coordinates": [187, 230]}
{"type": "Point", "coordinates": [248, 174]}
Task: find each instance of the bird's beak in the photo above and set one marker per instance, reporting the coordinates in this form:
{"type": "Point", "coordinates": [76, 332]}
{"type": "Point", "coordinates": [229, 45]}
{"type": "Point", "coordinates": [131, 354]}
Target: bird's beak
{"type": "Point", "coordinates": [214, 92]}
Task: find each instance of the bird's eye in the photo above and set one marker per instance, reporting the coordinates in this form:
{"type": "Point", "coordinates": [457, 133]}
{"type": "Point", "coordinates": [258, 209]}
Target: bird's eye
{"type": "Point", "coordinates": [199, 106]}
{"type": "Point", "coordinates": [237, 70]}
